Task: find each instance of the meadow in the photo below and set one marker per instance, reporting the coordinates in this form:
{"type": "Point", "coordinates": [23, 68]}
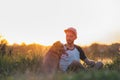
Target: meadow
{"type": "Point", "coordinates": [23, 62]}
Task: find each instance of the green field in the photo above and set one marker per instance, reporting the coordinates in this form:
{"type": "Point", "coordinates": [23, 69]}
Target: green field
{"type": "Point", "coordinates": [23, 62]}
{"type": "Point", "coordinates": [23, 67]}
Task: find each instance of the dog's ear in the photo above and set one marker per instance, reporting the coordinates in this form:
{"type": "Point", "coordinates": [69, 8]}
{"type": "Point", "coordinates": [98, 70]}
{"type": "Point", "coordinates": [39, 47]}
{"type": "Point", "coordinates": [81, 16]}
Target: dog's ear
{"type": "Point", "coordinates": [57, 43]}
{"type": "Point", "coordinates": [56, 46]}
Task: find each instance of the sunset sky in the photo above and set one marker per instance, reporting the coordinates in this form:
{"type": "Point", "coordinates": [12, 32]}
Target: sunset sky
{"type": "Point", "coordinates": [44, 21]}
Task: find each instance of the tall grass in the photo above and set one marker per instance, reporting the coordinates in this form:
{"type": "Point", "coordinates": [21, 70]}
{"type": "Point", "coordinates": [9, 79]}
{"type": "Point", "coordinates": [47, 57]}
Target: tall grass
{"type": "Point", "coordinates": [19, 63]}
{"type": "Point", "coordinates": [28, 67]}
{"type": "Point", "coordinates": [25, 64]}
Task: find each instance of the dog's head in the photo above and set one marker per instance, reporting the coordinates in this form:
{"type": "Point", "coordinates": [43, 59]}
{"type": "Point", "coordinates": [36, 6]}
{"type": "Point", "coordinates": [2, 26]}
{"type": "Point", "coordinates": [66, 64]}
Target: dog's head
{"type": "Point", "coordinates": [58, 48]}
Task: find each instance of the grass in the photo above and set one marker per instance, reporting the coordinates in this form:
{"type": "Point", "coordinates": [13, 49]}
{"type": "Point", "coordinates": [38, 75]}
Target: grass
{"type": "Point", "coordinates": [28, 67]}
{"type": "Point", "coordinates": [93, 75]}
{"type": "Point", "coordinates": [23, 62]}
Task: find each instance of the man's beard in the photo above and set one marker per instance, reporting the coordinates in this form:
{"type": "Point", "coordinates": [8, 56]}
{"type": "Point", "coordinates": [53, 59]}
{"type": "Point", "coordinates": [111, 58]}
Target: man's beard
{"type": "Point", "coordinates": [69, 42]}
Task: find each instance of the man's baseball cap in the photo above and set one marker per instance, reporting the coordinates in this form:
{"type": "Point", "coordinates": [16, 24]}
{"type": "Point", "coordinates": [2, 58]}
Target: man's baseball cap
{"type": "Point", "coordinates": [72, 30]}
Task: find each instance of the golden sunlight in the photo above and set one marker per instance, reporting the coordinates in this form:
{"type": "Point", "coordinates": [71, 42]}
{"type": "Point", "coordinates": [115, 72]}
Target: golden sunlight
{"type": "Point", "coordinates": [44, 22]}
{"type": "Point", "coordinates": [47, 36]}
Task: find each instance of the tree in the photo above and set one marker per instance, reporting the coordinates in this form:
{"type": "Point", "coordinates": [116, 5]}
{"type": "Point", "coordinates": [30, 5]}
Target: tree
{"type": "Point", "coordinates": [3, 44]}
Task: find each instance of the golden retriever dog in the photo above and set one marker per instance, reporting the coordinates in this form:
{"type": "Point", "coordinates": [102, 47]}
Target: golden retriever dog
{"type": "Point", "coordinates": [52, 57]}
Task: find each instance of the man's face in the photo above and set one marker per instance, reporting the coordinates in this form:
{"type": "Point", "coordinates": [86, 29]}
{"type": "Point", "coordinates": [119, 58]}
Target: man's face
{"type": "Point", "coordinates": [70, 37]}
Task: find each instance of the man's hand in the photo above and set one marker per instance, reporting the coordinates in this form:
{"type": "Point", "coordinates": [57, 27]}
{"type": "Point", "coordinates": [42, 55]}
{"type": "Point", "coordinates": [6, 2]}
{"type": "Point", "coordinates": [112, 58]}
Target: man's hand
{"type": "Point", "coordinates": [89, 62]}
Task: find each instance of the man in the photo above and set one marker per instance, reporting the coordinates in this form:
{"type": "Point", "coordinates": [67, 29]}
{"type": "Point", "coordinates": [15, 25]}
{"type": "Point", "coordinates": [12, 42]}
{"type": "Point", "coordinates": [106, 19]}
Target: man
{"type": "Point", "coordinates": [71, 61]}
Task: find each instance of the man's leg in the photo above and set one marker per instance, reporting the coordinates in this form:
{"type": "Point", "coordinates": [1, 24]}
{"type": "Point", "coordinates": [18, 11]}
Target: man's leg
{"type": "Point", "coordinates": [75, 66]}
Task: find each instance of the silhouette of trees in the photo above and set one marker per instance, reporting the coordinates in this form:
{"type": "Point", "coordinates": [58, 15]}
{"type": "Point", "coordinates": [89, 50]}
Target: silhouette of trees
{"type": "Point", "coordinates": [3, 44]}
{"type": "Point", "coordinates": [101, 51]}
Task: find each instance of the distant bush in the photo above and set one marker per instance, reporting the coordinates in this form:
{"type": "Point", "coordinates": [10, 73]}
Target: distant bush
{"type": "Point", "coordinates": [19, 63]}
{"type": "Point", "coordinates": [115, 65]}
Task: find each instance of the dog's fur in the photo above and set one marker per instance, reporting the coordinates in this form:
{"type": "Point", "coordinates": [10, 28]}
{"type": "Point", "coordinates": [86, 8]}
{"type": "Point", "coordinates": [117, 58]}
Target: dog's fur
{"type": "Point", "coordinates": [52, 57]}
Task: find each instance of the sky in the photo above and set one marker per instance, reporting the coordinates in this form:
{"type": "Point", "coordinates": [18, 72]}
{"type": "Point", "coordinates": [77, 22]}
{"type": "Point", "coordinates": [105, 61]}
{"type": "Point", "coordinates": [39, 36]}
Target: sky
{"type": "Point", "coordinates": [44, 21]}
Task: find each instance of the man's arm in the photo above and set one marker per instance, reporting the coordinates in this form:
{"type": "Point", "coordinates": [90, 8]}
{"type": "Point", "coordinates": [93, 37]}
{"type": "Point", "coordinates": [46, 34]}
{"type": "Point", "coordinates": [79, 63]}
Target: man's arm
{"type": "Point", "coordinates": [84, 58]}
{"type": "Point", "coordinates": [82, 54]}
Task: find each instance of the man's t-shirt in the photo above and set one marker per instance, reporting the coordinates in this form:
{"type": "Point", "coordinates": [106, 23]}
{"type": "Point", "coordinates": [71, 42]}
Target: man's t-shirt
{"type": "Point", "coordinates": [67, 59]}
